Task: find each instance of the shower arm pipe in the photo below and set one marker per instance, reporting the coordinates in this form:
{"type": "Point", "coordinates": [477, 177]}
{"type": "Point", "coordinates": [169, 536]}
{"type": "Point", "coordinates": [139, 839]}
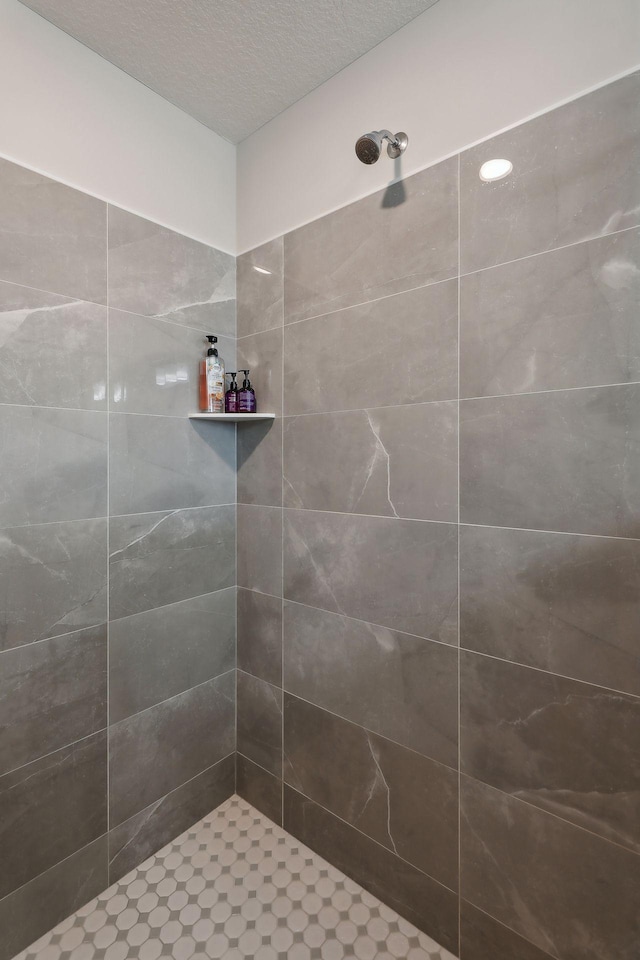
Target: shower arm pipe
{"type": "Point", "coordinates": [391, 137]}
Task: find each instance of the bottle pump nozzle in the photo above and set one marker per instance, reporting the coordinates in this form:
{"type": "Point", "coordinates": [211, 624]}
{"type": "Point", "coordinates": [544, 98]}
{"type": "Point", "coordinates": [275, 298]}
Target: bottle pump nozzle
{"type": "Point", "coordinates": [212, 352]}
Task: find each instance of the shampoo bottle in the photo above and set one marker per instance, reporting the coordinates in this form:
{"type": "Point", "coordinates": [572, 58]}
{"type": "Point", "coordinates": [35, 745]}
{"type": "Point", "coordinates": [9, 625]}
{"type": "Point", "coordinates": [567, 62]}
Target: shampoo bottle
{"type": "Point", "coordinates": [231, 396]}
{"type": "Point", "coordinates": [212, 380]}
{"type": "Point", "coordinates": [246, 396]}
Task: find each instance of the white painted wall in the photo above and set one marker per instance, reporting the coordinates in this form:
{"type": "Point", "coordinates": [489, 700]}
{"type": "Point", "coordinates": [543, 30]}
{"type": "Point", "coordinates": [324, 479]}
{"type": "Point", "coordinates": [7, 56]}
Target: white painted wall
{"type": "Point", "coordinates": [459, 73]}
{"type": "Point", "coordinates": [67, 113]}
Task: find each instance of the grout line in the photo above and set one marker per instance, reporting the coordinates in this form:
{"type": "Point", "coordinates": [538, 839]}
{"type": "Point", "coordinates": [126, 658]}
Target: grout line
{"type": "Point", "coordinates": [346, 410]}
{"type": "Point", "coordinates": [69, 300]}
{"type": "Point", "coordinates": [470, 903]}
{"type": "Point", "coordinates": [369, 516]}
{"type": "Point", "coordinates": [553, 816]}
{"type": "Point", "coordinates": [231, 338]}
{"type": "Point", "coordinates": [175, 789]}
{"type": "Point", "coordinates": [462, 648]}
{"type": "Point", "coordinates": [54, 293]}
{"type": "Point", "coordinates": [168, 511]}
{"type": "Point", "coordinates": [463, 523]}
{"type": "Point", "coordinates": [108, 558]}
{"type": "Point", "coordinates": [367, 623]}
{"type": "Point", "coordinates": [56, 636]}
{"type": "Point", "coordinates": [458, 685]}
{"type": "Point", "coordinates": [53, 867]}
{"type": "Point", "coordinates": [443, 400]}
{"type": "Point", "coordinates": [117, 516]}
{"type": "Point", "coordinates": [282, 645]}
{"type": "Point", "coordinates": [550, 673]}
{"type": "Point", "coordinates": [172, 603]}
{"type": "Point", "coordinates": [555, 533]}
{"type": "Point", "coordinates": [106, 835]}
{"type": "Point", "coordinates": [542, 393]}
{"type": "Point", "coordinates": [362, 726]}
{"type": "Point", "coordinates": [259, 765]}
{"type": "Point", "coordinates": [105, 411]}
{"type": "Point", "coordinates": [180, 693]}
{"type": "Point", "coordinates": [372, 839]}
{"type": "Point", "coordinates": [51, 753]}
{"type": "Point", "coordinates": [542, 253]}
{"type": "Point", "coordinates": [235, 719]}
{"type": "Point", "coordinates": [457, 276]}
{"type": "Point", "coordinates": [258, 333]}
{"type": "Point", "coordinates": [359, 303]}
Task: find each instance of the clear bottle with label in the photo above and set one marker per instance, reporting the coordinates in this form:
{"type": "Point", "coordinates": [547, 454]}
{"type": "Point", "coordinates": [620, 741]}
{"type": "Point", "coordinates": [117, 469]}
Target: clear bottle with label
{"type": "Point", "coordinates": [212, 381]}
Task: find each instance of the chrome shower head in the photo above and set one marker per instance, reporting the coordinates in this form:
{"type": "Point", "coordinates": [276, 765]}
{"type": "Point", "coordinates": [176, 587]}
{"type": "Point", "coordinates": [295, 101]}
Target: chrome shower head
{"type": "Point", "coordinates": [369, 146]}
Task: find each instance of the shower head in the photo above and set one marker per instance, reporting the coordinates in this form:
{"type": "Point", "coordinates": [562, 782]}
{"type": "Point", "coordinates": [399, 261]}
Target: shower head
{"type": "Point", "coordinates": [369, 146]}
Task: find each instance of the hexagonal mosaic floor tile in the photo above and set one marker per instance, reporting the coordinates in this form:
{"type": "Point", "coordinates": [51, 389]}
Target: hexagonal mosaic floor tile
{"type": "Point", "coordinates": [235, 886]}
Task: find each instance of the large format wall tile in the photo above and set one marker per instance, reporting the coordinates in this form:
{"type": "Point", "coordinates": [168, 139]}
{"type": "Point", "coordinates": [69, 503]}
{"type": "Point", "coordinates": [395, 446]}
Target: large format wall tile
{"type": "Point", "coordinates": [53, 351]}
{"type": "Point", "coordinates": [156, 654]}
{"type": "Point", "coordinates": [53, 465]}
{"type": "Point", "coordinates": [261, 354]}
{"type": "Point", "coordinates": [563, 319]}
{"type": "Point", "coordinates": [161, 463]}
{"type": "Point", "coordinates": [51, 808]}
{"type": "Point", "coordinates": [260, 548]}
{"type": "Point", "coordinates": [260, 463]}
{"type": "Point", "coordinates": [39, 905]}
{"type": "Point", "coordinates": [156, 272]}
{"type": "Point", "coordinates": [260, 635]}
{"type": "Point", "coordinates": [575, 176]}
{"type": "Point", "coordinates": [557, 461]}
{"type": "Point", "coordinates": [396, 239]}
{"type": "Point", "coordinates": [399, 686]}
{"type": "Point", "coordinates": [156, 751]}
{"type": "Point", "coordinates": [569, 892]}
{"type": "Point", "coordinates": [148, 831]}
{"type": "Point", "coordinates": [422, 900]}
{"type": "Point", "coordinates": [392, 461]}
{"type": "Point", "coordinates": [53, 580]}
{"type": "Point", "coordinates": [260, 722]}
{"type": "Point", "coordinates": [261, 789]}
{"type": "Point", "coordinates": [563, 745]}
{"type": "Point", "coordinates": [398, 573]}
{"type": "Point", "coordinates": [51, 694]}
{"type": "Point", "coordinates": [569, 604]}
{"type": "Point", "coordinates": [406, 802]}
{"type": "Point", "coordinates": [483, 938]}
{"type": "Point", "coordinates": [161, 558]}
{"type": "Point", "coordinates": [154, 366]}
{"type": "Point", "coordinates": [51, 236]}
{"type": "Point", "coordinates": [392, 351]}
{"type": "Point", "coordinates": [260, 288]}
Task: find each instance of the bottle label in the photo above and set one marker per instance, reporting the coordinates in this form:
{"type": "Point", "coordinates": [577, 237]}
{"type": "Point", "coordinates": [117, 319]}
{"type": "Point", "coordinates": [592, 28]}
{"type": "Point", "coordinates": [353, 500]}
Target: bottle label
{"type": "Point", "coordinates": [215, 388]}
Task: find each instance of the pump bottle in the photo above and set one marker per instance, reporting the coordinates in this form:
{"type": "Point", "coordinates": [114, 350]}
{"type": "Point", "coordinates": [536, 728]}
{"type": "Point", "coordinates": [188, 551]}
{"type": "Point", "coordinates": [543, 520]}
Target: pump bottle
{"type": "Point", "coordinates": [246, 396]}
{"type": "Point", "coordinates": [231, 396]}
{"type": "Point", "coordinates": [212, 380]}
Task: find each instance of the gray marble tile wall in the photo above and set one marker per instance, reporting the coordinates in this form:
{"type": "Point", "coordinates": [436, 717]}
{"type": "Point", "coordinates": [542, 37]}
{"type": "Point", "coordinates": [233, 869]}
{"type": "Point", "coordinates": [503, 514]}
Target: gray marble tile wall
{"type": "Point", "coordinates": [117, 547]}
{"type": "Point", "coordinates": [439, 539]}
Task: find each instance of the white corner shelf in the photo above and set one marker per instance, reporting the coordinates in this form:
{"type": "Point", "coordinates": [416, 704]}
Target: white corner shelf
{"type": "Point", "coordinates": [232, 417]}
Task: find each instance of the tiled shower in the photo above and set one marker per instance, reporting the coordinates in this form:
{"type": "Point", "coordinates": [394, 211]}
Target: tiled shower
{"type": "Point", "coordinates": [437, 543]}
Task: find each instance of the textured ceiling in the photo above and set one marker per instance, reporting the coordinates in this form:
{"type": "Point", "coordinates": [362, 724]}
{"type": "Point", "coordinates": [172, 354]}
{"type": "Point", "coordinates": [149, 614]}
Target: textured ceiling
{"type": "Point", "coordinates": [232, 64]}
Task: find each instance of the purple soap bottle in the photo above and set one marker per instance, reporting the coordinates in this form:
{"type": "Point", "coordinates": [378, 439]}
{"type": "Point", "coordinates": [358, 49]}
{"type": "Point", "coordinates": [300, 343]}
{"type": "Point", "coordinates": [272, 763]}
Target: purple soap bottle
{"type": "Point", "coordinates": [246, 396]}
{"type": "Point", "coordinates": [231, 396]}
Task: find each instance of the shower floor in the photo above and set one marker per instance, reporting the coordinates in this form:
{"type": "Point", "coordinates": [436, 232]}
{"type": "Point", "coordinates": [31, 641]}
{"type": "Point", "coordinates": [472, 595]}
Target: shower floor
{"type": "Point", "coordinates": [235, 886]}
